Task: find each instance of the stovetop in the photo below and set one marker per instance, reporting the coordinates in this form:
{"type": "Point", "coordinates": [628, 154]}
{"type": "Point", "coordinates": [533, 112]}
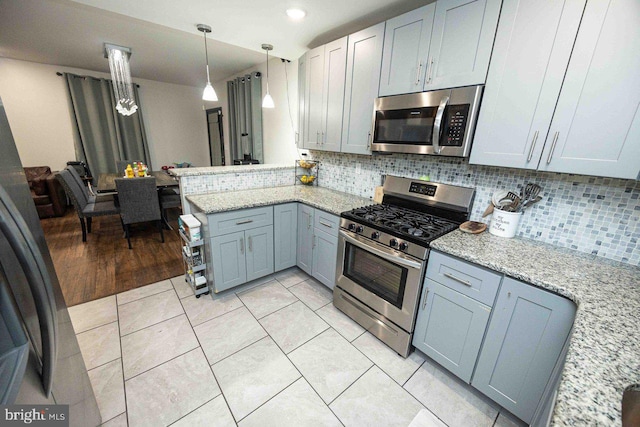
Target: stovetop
{"type": "Point", "coordinates": [418, 227]}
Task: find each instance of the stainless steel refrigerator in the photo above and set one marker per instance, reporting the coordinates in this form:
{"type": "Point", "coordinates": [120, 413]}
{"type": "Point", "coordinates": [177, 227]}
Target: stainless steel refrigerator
{"type": "Point", "coordinates": [40, 360]}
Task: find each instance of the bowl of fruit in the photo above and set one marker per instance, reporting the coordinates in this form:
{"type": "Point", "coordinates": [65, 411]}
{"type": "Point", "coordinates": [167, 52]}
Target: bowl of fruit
{"type": "Point", "coordinates": [306, 179]}
{"type": "Point", "coordinates": [305, 164]}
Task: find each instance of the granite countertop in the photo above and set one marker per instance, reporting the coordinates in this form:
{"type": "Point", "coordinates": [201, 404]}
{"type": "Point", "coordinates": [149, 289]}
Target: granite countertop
{"type": "Point", "coordinates": [331, 201]}
{"type": "Point", "coordinates": [604, 352]}
{"type": "Point", "coordinates": [218, 170]}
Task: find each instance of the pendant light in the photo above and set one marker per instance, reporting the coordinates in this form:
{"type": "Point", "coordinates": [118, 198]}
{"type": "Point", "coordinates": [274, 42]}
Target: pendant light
{"type": "Point", "coordinates": [267, 102]}
{"type": "Point", "coordinates": [209, 93]}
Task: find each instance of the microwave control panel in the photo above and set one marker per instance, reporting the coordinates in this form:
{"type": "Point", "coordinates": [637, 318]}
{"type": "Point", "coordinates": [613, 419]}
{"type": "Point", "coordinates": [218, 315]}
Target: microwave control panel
{"type": "Point", "coordinates": [456, 124]}
{"type": "Point", "coordinates": [422, 188]}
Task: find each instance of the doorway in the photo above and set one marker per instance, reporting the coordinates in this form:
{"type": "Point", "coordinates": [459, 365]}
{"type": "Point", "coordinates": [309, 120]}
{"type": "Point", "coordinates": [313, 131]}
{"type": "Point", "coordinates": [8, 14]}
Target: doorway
{"type": "Point", "coordinates": [216, 136]}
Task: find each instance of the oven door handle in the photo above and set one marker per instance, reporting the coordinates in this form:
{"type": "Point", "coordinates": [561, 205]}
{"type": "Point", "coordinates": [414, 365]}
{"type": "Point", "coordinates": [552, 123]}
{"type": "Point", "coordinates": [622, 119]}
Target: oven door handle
{"type": "Point", "coordinates": [395, 259]}
{"type": "Point", "coordinates": [437, 125]}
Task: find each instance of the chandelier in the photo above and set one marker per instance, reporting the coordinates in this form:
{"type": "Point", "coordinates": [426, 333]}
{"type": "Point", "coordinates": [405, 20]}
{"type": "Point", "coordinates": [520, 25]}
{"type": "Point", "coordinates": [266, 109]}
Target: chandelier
{"type": "Point", "coordinates": [121, 77]}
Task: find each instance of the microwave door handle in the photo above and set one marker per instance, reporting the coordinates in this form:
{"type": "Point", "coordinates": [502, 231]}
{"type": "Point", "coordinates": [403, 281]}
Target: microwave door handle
{"type": "Point", "coordinates": [437, 125]}
{"type": "Point", "coordinates": [394, 259]}
{"type": "Point", "coordinates": [24, 246]}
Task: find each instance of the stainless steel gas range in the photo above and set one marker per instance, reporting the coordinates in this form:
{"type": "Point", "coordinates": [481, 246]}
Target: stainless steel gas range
{"type": "Point", "coordinates": [383, 251]}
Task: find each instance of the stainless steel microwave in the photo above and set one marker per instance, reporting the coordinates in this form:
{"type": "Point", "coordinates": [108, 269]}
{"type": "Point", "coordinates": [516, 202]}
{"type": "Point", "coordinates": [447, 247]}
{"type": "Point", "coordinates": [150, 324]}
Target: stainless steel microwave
{"type": "Point", "coordinates": [438, 122]}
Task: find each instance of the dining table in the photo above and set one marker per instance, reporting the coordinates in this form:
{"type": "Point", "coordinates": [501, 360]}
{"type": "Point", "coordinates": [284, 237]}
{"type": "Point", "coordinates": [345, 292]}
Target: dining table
{"type": "Point", "coordinates": [107, 181]}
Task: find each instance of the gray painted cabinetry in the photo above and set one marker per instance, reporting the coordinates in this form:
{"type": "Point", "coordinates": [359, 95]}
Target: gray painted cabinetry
{"type": "Point", "coordinates": [565, 100]}
{"type": "Point", "coordinates": [285, 229]}
{"type": "Point", "coordinates": [318, 244]}
{"type": "Point", "coordinates": [305, 238]}
{"type": "Point", "coordinates": [241, 245]}
{"type": "Point", "coordinates": [510, 349]}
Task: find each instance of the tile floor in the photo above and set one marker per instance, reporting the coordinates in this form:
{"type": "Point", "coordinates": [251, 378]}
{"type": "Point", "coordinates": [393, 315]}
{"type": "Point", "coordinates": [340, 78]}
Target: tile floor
{"type": "Point", "coordinates": [274, 353]}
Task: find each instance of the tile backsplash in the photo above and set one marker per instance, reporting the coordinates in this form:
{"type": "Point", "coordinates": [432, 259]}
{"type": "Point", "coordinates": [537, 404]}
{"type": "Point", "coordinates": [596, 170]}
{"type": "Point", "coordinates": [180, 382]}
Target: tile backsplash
{"type": "Point", "coordinates": [595, 215]}
{"type": "Point", "coordinates": [207, 183]}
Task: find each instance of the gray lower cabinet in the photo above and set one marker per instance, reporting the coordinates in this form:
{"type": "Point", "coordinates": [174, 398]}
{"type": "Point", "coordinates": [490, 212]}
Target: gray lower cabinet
{"type": "Point", "coordinates": [285, 229]}
{"type": "Point", "coordinates": [523, 344]}
{"type": "Point", "coordinates": [227, 256]}
{"type": "Point", "coordinates": [325, 252]}
{"type": "Point", "coordinates": [450, 328]}
{"type": "Point", "coordinates": [305, 238]}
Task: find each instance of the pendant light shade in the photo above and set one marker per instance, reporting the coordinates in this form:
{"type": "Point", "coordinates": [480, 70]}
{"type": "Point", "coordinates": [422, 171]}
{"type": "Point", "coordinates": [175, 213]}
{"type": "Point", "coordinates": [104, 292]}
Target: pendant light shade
{"type": "Point", "coordinates": [267, 102]}
{"type": "Point", "coordinates": [209, 93]}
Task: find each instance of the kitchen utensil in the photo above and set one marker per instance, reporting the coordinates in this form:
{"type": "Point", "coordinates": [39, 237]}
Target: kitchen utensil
{"type": "Point", "coordinates": [529, 203]}
{"type": "Point", "coordinates": [378, 194]}
{"type": "Point", "coordinates": [497, 196]}
{"type": "Point", "coordinates": [513, 206]}
{"type": "Point", "coordinates": [473, 227]}
{"type": "Point", "coordinates": [489, 210]}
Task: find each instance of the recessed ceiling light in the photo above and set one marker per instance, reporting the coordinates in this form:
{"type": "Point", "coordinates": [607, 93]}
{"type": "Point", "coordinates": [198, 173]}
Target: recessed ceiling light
{"type": "Point", "coordinates": [296, 14]}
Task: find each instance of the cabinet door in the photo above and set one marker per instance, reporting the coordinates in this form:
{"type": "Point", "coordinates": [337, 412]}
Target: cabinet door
{"type": "Point", "coordinates": [461, 42]}
{"type": "Point", "coordinates": [302, 78]}
{"type": "Point", "coordinates": [313, 97]}
{"type": "Point", "coordinates": [406, 50]}
{"type": "Point", "coordinates": [335, 63]}
{"type": "Point", "coordinates": [524, 340]}
{"type": "Point", "coordinates": [305, 238]}
{"type": "Point", "coordinates": [285, 235]}
{"type": "Point", "coordinates": [325, 254]}
{"type": "Point", "coordinates": [228, 259]}
{"type": "Point", "coordinates": [524, 80]}
{"type": "Point", "coordinates": [450, 327]}
{"type": "Point", "coordinates": [364, 59]}
{"type": "Point", "coordinates": [596, 126]}
{"type": "Point", "coordinates": [259, 242]}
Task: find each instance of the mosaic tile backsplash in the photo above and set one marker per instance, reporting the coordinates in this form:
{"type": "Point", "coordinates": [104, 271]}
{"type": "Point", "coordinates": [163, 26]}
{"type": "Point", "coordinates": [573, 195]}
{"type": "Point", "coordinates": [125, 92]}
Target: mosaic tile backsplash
{"type": "Point", "coordinates": [200, 184]}
{"type": "Point", "coordinates": [600, 216]}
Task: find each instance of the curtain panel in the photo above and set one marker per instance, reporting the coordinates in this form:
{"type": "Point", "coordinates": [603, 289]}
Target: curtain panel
{"type": "Point", "coordinates": [245, 116]}
{"type": "Point", "coordinates": [102, 135]}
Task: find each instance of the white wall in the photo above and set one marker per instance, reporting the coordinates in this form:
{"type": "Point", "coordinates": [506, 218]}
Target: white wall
{"type": "Point", "coordinates": [36, 102]}
{"type": "Point", "coordinates": [278, 130]}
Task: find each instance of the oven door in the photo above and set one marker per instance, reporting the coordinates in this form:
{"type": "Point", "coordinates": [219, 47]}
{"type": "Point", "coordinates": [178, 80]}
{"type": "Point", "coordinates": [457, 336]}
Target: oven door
{"type": "Point", "coordinates": [383, 279]}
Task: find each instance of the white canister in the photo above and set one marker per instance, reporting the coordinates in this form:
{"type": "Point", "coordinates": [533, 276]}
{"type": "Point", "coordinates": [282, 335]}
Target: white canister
{"type": "Point", "coordinates": [504, 224]}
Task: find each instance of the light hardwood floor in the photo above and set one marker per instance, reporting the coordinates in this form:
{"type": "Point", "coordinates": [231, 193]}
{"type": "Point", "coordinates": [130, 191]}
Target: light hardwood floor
{"type": "Point", "coordinates": [104, 265]}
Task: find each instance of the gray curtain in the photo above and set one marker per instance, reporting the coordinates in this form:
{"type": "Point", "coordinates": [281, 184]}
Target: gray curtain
{"type": "Point", "coordinates": [245, 116]}
{"type": "Point", "coordinates": [102, 135]}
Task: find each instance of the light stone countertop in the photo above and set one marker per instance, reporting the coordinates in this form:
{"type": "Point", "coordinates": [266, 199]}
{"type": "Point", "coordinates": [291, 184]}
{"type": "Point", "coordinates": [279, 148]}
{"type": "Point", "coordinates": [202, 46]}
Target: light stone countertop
{"type": "Point", "coordinates": [218, 170]}
{"type": "Point", "coordinates": [604, 351]}
{"type": "Point", "coordinates": [332, 201]}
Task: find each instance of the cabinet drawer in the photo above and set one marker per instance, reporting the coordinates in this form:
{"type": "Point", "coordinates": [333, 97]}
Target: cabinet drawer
{"type": "Point", "coordinates": [327, 222]}
{"type": "Point", "coordinates": [245, 219]}
{"type": "Point", "coordinates": [468, 279]}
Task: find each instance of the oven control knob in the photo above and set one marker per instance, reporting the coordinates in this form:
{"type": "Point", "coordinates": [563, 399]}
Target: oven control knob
{"type": "Point", "coordinates": [359, 229]}
{"type": "Point", "coordinates": [352, 227]}
{"type": "Point", "coordinates": [375, 235]}
{"type": "Point", "coordinates": [393, 243]}
{"type": "Point", "coordinates": [403, 246]}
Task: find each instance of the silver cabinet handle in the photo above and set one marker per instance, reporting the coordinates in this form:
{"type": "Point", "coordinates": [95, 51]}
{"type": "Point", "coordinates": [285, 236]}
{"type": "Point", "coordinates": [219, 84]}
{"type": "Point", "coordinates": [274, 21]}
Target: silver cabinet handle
{"type": "Point", "coordinates": [457, 279]}
{"type": "Point", "coordinates": [308, 222]}
{"type": "Point", "coordinates": [430, 70]}
{"type": "Point", "coordinates": [424, 301]}
{"type": "Point", "coordinates": [553, 147]}
{"type": "Point", "coordinates": [248, 221]}
{"type": "Point", "coordinates": [313, 243]}
{"type": "Point", "coordinates": [317, 136]}
{"type": "Point", "coordinates": [326, 225]}
{"type": "Point", "coordinates": [533, 145]}
{"type": "Point", "coordinates": [418, 73]}
{"type": "Point", "coordinates": [437, 124]}
{"type": "Point", "coordinates": [242, 245]}
{"type": "Point", "coordinates": [369, 140]}
{"type": "Point", "coordinates": [250, 244]}
{"type": "Point", "coordinates": [323, 139]}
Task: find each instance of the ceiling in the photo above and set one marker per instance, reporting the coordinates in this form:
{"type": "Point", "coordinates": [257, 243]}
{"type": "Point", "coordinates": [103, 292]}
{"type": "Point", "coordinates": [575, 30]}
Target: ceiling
{"type": "Point", "coordinates": [162, 33]}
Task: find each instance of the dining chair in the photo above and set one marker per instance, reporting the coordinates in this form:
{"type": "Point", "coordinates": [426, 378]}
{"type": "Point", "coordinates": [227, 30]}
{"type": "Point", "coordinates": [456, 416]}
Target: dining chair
{"type": "Point", "coordinates": [82, 172]}
{"type": "Point", "coordinates": [138, 199]}
{"type": "Point", "coordinates": [86, 207]}
{"type": "Point", "coordinates": [169, 199]}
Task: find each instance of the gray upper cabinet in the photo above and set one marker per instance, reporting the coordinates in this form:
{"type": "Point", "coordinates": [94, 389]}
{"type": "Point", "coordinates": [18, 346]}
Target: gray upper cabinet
{"type": "Point", "coordinates": [302, 77]}
{"type": "Point", "coordinates": [461, 42]}
{"type": "Point", "coordinates": [313, 98]}
{"type": "Point", "coordinates": [596, 127]}
{"type": "Point", "coordinates": [406, 50]}
{"type": "Point", "coordinates": [524, 80]}
{"type": "Point", "coordinates": [324, 95]}
{"type": "Point", "coordinates": [364, 59]}
{"type": "Point", "coordinates": [523, 344]}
